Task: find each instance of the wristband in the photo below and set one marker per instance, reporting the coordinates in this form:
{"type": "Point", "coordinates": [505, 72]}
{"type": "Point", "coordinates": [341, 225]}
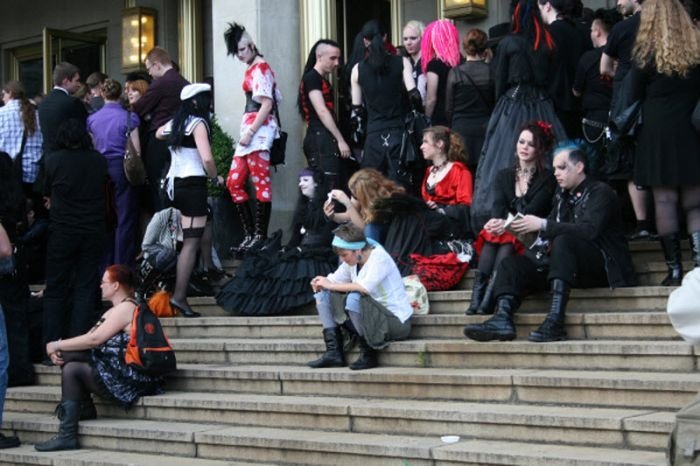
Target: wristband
{"type": "Point", "coordinates": [543, 226]}
{"type": "Point", "coordinates": [57, 346]}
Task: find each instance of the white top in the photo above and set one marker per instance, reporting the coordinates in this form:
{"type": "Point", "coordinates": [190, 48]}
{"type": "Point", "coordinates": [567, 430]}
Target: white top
{"type": "Point", "coordinates": [185, 161]}
{"type": "Point", "coordinates": [382, 279]}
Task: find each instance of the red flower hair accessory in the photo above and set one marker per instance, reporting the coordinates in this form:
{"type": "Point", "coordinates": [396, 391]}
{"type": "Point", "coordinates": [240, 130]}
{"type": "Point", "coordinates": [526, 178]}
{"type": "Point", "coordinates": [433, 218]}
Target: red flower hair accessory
{"type": "Point", "coordinates": [546, 128]}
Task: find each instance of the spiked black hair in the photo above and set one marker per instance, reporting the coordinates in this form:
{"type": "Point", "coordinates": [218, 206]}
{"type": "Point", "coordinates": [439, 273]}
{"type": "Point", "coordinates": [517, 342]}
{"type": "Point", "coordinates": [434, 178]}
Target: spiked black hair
{"type": "Point", "coordinates": [232, 36]}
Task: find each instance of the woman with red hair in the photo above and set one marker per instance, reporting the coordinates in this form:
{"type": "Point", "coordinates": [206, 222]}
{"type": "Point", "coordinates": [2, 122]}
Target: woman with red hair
{"type": "Point", "coordinates": [94, 362]}
{"type": "Point", "coordinates": [523, 65]}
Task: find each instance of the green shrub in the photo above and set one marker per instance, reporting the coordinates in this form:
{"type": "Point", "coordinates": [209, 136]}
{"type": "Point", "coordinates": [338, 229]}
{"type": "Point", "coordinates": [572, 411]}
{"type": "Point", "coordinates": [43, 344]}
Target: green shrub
{"type": "Point", "coordinates": [222, 147]}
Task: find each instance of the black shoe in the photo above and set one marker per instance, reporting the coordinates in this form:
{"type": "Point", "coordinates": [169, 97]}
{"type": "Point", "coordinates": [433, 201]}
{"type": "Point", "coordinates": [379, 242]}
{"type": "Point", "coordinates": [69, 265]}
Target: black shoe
{"type": "Point", "coordinates": [333, 357]}
{"type": "Point", "coordinates": [367, 359]}
{"type": "Point", "coordinates": [640, 234]}
{"type": "Point", "coordinates": [88, 411]}
{"type": "Point", "coordinates": [671, 245]}
{"type": "Point", "coordinates": [499, 327]}
{"type": "Point", "coordinates": [478, 290]}
{"type": "Point", "coordinates": [184, 310]}
{"type": "Point", "coordinates": [67, 438]}
{"type": "Point", "coordinates": [8, 441]}
{"type": "Point", "coordinates": [488, 302]}
{"type": "Point", "coordinates": [553, 328]}
{"type": "Point", "coordinates": [695, 248]}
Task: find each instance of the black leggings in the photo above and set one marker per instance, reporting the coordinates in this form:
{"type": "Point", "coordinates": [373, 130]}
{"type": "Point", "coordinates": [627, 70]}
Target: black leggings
{"type": "Point", "coordinates": [492, 254]}
{"type": "Point", "coordinates": [77, 381]}
{"type": "Point", "coordinates": [666, 204]}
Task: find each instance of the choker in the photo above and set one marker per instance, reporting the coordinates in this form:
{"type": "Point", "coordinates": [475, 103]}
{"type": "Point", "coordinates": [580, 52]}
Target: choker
{"type": "Point", "coordinates": [525, 171]}
{"type": "Point", "coordinates": [437, 168]}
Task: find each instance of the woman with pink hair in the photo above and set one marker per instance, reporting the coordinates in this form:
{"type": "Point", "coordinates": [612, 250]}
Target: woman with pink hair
{"type": "Point", "coordinates": [439, 54]}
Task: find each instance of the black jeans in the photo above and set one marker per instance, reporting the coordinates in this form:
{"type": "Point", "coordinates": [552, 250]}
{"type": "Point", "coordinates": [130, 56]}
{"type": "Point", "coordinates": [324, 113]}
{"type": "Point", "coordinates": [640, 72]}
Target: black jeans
{"type": "Point", "coordinates": [321, 151]}
{"type": "Point", "coordinates": [72, 266]}
{"type": "Point", "coordinates": [382, 151]}
{"type": "Point", "coordinates": [156, 159]}
{"type": "Point", "coordinates": [576, 261]}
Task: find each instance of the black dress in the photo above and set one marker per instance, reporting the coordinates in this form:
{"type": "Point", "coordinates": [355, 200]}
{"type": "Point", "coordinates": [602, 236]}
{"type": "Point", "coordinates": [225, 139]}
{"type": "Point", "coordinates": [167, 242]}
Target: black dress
{"type": "Point", "coordinates": [272, 281]}
{"type": "Point", "coordinates": [441, 69]}
{"type": "Point", "coordinates": [469, 103]}
{"type": "Point", "coordinates": [521, 88]}
{"type": "Point", "coordinates": [668, 146]}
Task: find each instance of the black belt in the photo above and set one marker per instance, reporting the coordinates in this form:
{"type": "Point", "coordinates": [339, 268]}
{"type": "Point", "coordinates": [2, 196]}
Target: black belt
{"type": "Point", "coordinates": [250, 104]}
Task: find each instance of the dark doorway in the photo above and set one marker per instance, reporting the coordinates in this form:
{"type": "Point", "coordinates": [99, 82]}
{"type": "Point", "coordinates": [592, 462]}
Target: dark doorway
{"type": "Point", "coordinates": [353, 14]}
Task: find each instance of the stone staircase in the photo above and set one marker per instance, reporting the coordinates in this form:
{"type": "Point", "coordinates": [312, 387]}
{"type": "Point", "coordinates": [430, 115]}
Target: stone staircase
{"type": "Point", "coordinates": [243, 394]}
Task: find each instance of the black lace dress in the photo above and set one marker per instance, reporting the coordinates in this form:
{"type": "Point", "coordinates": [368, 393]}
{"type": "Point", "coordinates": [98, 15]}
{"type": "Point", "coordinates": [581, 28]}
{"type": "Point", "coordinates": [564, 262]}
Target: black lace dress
{"type": "Point", "coordinates": [118, 381]}
{"type": "Point", "coordinates": [275, 280]}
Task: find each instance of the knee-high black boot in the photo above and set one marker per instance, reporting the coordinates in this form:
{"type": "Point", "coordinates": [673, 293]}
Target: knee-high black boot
{"type": "Point", "coordinates": [695, 247]}
{"type": "Point", "coordinates": [488, 302]}
{"type": "Point", "coordinates": [480, 284]}
{"type": "Point", "coordinates": [333, 357]}
{"type": "Point", "coordinates": [553, 329]}
{"type": "Point", "coordinates": [246, 217]}
{"type": "Point", "coordinates": [367, 359]}
{"type": "Point", "coordinates": [500, 326]}
{"type": "Point", "coordinates": [262, 220]}
{"type": "Point", "coordinates": [67, 438]}
{"type": "Point", "coordinates": [671, 245]}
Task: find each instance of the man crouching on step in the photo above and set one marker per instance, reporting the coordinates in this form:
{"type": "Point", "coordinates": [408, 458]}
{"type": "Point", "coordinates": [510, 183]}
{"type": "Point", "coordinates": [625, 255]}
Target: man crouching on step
{"type": "Point", "coordinates": [581, 244]}
{"type": "Point", "coordinates": [366, 287]}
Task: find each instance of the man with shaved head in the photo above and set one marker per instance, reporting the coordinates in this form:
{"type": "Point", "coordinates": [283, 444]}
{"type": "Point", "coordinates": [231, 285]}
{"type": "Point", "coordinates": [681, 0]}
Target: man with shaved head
{"type": "Point", "coordinates": [324, 145]}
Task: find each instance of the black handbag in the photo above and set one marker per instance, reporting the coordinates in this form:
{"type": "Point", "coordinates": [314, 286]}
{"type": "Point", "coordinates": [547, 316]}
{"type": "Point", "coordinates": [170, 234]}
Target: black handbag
{"type": "Point", "coordinates": [628, 121]}
{"type": "Point", "coordinates": [279, 145]}
{"type": "Point", "coordinates": [410, 155]}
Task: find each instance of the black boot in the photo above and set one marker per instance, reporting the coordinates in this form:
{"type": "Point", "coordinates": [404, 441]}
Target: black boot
{"type": "Point", "coordinates": [500, 326]}
{"type": "Point", "coordinates": [488, 302]}
{"type": "Point", "coordinates": [553, 329]}
{"type": "Point", "coordinates": [246, 218]}
{"type": "Point", "coordinates": [67, 438]}
{"type": "Point", "coordinates": [480, 284]}
{"type": "Point", "coordinates": [88, 411]}
{"type": "Point", "coordinates": [671, 245]}
{"type": "Point", "coordinates": [262, 220]}
{"type": "Point", "coordinates": [695, 247]}
{"type": "Point", "coordinates": [367, 359]}
{"type": "Point", "coordinates": [333, 357]}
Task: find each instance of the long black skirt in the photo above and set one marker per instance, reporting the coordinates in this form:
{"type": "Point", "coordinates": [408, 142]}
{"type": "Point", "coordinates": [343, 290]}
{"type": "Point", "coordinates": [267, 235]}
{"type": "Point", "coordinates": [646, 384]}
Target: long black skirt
{"type": "Point", "coordinates": [517, 106]}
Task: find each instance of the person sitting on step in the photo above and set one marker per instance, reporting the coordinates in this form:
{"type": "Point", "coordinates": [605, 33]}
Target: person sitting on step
{"type": "Point", "coordinates": [366, 287]}
{"type": "Point", "coordinates": [581, 244]}
{"type": "Point", "coordinates": [527, 188]}
{"type": "Point", "coordinates": [102, 369]}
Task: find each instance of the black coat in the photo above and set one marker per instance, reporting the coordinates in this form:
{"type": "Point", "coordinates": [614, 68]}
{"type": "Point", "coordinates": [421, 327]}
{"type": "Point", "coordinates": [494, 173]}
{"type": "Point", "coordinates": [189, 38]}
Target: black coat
{"type": "Point", "coordinates": [592, 212]}
{"type": "Point", "coordinates": [57, 107]}
{"type": "Point", "coordinates": [536, 201]}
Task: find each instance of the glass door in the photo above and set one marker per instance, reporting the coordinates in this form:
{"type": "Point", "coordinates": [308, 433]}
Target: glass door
{"type": "Point", "coordinates": [86, 51]}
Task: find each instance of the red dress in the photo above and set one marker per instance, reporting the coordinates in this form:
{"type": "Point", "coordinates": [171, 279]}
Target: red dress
{"type": "Point", "coordinates": [455, 188]}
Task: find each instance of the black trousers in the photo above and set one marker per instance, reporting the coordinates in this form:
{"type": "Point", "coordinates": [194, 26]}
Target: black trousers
{"type": "Point", "coordinates": [382, 151]}
{"type": "Point", "coordinates": [576, 261]}
{"type": "Point", "coordinates": [156, 159]}
{"type": "Point", "coordinates": [14, 298]}
{"type": "Point", "coordinates": [72, 267]}
{"type": "Point", "coordinates": [321, 151]}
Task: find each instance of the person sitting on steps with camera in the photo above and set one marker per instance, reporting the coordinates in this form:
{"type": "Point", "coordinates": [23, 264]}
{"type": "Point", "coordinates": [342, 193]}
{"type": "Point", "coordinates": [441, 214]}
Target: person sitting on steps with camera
{"type": "Point", "coordinates": [581, 244]}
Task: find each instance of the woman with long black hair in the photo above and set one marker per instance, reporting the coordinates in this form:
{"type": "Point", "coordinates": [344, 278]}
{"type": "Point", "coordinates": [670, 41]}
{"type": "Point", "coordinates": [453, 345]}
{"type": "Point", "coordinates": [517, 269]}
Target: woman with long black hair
{"type": "Point", "coordinates": [188, 135]}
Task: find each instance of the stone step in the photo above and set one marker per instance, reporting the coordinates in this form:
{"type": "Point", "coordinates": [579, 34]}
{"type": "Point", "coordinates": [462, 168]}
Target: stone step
{"type": "Point", "coordinates": [623, 389]}
{"type": "Point", "coordinates": [456, 301]}
{"type": "Point", "coordinates": [314, 447]}
{"type": "Point", "coordinates": [26, 455]}
{"type": "Point", "coordinates": [585, 354]}
{"type": "Point", "coordinates": [652, 325]}
{"type": "Point", "coordinates": [612, 427]}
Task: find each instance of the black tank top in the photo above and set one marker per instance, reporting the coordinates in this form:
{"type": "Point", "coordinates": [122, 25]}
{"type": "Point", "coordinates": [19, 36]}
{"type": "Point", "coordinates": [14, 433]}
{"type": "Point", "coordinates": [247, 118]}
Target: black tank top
{"type": "Point", "coordinates": [382, 95]}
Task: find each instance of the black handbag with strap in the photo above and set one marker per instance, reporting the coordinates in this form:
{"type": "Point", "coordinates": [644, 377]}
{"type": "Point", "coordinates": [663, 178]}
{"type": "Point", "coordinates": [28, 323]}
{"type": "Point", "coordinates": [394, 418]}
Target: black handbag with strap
{"type": "Point", "coordinates": [279, 145]}
{"type": "Point", "coordinates": [17, 164]}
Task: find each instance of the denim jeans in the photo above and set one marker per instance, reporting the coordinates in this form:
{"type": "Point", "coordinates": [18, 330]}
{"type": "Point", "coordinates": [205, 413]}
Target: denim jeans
{"type": "Point", "coordinates": [4, 362]}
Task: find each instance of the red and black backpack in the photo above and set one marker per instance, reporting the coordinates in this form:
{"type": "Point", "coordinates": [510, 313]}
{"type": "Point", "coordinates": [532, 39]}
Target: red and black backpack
{"type": "Point", "coordinates": [149, 350]}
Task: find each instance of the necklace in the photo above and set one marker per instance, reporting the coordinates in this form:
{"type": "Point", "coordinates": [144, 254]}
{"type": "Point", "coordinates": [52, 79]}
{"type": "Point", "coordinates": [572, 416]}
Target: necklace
{"type": "Point", "coordinates": [525, 172]}
{"type": "Point", "coordinates": [436, 168]}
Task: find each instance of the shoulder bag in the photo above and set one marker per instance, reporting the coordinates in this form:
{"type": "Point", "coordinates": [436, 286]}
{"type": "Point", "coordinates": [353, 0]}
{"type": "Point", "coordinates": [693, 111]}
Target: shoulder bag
{"type": "Point", "coordinates": [134, 169]}
{"type": "Point", "coordinates": [19, 158]}
{"type": "Point", "coordinates": [279, 145]}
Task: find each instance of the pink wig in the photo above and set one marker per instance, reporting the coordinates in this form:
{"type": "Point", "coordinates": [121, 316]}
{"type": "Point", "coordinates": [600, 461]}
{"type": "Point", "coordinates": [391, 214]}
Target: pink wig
{"type": "Point", "coordinates": [441, 41]}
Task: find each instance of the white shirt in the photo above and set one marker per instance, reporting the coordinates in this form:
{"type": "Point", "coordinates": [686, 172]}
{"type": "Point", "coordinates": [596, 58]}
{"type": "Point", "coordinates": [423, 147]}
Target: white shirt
{"type": "Point", "coordinates": [382, 279]}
